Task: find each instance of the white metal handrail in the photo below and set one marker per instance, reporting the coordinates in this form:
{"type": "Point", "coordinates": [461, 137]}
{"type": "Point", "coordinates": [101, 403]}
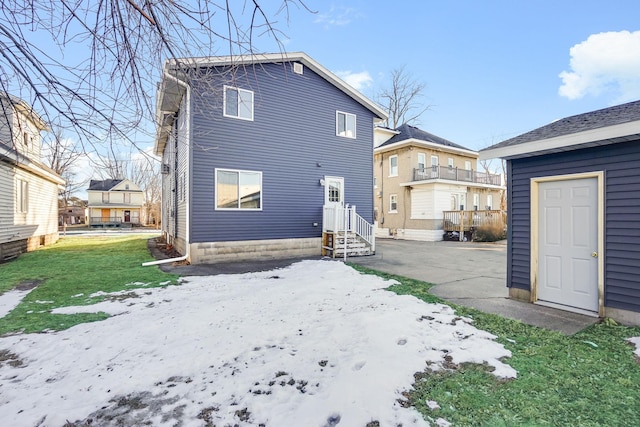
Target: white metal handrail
{"type": "Point", "coordinates": [345, 219]}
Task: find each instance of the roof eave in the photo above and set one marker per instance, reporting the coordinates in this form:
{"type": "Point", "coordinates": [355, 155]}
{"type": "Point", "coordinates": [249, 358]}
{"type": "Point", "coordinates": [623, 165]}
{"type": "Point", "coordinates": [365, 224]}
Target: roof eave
{"type": "Point", "coordinates": [413, 141]}
{"type": "Point", "coordinates": [590, 138]}
{"type": "Point", "coordinates": [302, 57]}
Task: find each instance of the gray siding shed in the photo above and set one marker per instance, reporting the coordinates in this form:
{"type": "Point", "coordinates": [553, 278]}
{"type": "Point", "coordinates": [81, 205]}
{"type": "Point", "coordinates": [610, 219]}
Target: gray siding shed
{"type": "Point", "coordinates": [607, 141]}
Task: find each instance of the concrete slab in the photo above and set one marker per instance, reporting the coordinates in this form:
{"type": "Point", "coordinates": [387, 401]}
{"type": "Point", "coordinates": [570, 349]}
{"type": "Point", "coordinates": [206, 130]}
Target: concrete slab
{"type": "Point", "coordinates": [468, 274]}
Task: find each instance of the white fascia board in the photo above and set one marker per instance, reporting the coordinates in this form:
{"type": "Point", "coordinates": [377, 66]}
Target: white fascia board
{"type": "Point", "coordinates": [564, 141]}
{"type": "Point", "coordinates": [282, 57]}
{"type": "Point", "coordinates": [419, 142]}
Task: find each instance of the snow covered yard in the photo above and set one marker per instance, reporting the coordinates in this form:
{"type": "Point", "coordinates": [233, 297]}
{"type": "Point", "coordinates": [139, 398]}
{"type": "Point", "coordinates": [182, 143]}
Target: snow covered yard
{"type": "Point", "coordinates": [315, 344]}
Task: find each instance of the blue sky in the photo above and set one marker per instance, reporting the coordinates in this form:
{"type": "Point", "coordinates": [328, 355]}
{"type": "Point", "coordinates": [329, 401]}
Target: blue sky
{"type": "Point", "coordinates": [492, 69]}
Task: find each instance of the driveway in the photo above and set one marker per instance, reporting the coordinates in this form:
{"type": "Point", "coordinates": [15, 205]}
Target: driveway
{"type": "Point", "coordinates": [469, 274]}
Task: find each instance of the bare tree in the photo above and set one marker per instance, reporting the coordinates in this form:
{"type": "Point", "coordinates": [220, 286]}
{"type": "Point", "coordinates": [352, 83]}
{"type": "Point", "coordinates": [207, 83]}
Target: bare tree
{"type": "Point", "coordinates": [146, 174]}
{"type": "Point", "coordinates": [61, 155]}
{"type": "Point", "coordinates": [92, 65]}
{"type": "Point", "coordinates": [489, 167]}
{"type": "Point", "coordinates": [403, 99]}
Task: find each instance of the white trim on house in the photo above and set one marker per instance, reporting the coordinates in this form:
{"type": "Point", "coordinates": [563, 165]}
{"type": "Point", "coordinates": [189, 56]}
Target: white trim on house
{"type": "Point", "coordinates": [535, 229]}
{"type": "Point", "coordinates": [393, 197]}
{"type": "Point", "coordinates": [593, 137]}
{"type": "Point", "coordinates": [239, 172]}
{"type": "Point", "coordinates": [391, 172]}
{"type": "Point", "coordinates": [422, 143]}
{"type": "Point", "coordinates": [239, 92]}
{"type": "Point", "coordinates": [181, 63]}
{"type": "Point", "coordinates": [347, 132]}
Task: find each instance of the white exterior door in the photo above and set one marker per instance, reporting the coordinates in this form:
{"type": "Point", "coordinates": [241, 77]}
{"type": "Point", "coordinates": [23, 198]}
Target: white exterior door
{"type": "Point", "coordinates": [568, 243]}
{"type": "Point", "coordinates": [333, 190]}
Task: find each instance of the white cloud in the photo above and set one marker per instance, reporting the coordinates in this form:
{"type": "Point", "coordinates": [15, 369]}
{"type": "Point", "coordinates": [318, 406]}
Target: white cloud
{"type": "Point", "coordinates": [358, 81]}
{"type": "Point", "coordinates": [603, 63]}
{"type": "Point", "coordinates": [336, 16]}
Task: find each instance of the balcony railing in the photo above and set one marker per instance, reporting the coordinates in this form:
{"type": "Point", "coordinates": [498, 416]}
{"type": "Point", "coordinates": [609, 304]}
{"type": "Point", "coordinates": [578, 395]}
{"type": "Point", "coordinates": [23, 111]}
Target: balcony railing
{"type": "Point", "coordinates": [455, 174]}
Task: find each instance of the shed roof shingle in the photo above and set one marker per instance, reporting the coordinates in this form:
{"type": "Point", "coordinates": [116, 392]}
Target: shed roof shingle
{"type": "Point", "coordinates": [605, 117]}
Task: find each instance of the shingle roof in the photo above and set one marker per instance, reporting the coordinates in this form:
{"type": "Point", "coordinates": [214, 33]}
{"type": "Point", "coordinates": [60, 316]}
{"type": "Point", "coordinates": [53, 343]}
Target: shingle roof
{"type": "Point", "coordinates": [411, 132]}
{"type": "Point", "coordinates": [611, 116]}
{"type": "Point", "coordinates": [104, 185]}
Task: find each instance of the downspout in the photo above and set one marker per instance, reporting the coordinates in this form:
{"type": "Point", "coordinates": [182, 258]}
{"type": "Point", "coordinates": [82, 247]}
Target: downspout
{"type": "Point", "coordinates": [187, 178]}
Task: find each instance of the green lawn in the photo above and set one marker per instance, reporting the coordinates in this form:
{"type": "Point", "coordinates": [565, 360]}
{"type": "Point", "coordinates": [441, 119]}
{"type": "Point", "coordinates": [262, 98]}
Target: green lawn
{"type": "Point", "coordinates": [70, 271]}
{"type": "Point", "coordinates": [589, 379]}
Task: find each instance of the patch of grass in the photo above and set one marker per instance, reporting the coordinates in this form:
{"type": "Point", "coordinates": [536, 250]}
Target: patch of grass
{"type": "Point", "coordinates": [589, 379]}
{"type": "Point", "coordinates": [70, 271]}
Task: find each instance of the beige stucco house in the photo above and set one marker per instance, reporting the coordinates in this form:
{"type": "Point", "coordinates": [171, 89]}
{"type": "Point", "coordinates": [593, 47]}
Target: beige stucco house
{"type": "Point", "coordinates": [418, 177]}
{"type": "Point", "coordinates": [28, 188]}
{"type": "Point", "coordinates": [114, 203]}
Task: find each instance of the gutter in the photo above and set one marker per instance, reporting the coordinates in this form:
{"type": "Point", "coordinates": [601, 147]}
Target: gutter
{"type": "Point", "coordinates": [166, 75]}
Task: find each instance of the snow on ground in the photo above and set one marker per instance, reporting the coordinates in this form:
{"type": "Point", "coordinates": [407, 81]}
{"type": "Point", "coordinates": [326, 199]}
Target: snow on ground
{"type": "Point", "coordinates": [636, 342]}
{"type": "Point", "coordinates": [11, 299]}
{"type": "Point", "coordinates": [315, 344]}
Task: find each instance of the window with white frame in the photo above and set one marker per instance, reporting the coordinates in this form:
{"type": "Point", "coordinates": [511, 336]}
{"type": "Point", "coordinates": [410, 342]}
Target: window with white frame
{"type": "Point", "coordinates": [345, 124]}
{"type": "Point", "coordinates": [393, 203]}
{"type": "Point", "coordinates": [489, 202]}
{"type": "Point", "coordinates": [422, 161]}
{"type": "Point", "coordinates": [238, 189]}
{"type": "Point", "coordinates": [434, 167]}
{"type": "Point", "coordinates": [450, 162]}
{"type": "Point", "coordinates": [238, 103]}
{"type": "Point", "coordinates": [393, 166]}
{"type": "Point", "coordinates": [22, 196]}
{"type": "Point", "coordinates": [476, 201]}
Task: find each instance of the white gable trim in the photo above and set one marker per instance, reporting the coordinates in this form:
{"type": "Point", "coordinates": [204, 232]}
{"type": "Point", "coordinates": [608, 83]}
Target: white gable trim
{"type": "Point", "coordinates": [602, 135]}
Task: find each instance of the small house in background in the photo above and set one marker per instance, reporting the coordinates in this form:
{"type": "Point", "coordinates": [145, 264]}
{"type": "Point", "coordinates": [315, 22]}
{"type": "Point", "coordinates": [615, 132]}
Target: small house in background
{"type": "Point", "coordinates": [114, 203]}
{"type": "Point", "coordinates": [264, 156]}
{"type": "Point", "coordinates": [574, 213]}
{"type": "Point", "coordinates": [428, 188]}
{"type": "Point", "coordinates": [28, 188]}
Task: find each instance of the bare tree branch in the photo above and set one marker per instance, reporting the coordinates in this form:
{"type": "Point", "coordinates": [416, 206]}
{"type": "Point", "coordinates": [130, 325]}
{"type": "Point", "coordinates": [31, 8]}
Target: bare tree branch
{"type": "Point", "coordinates": [92, 65]}
{"type": "Point", "coordinates": [403, 99]}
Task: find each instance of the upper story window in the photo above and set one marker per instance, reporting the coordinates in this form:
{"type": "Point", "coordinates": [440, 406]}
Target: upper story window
{"type": "Point", "coordinates": [345, 124]}
{"type": "Point", "coordinates": [450, 162]}
{"type": "Point", "coordinates": [467, 165]}
{"type": "Point", "coordinates": [105, 197]}
{"type": "Point", "coordinates": [238, 103]}
{"type": "Point", "coordinates": [25, 138]}
{"type": "Point", "coordinates": [422, 161]}
{"type": "Point", "coordinates": [237, 189]}
{"type": "Point", "coordinates": [393, 166]}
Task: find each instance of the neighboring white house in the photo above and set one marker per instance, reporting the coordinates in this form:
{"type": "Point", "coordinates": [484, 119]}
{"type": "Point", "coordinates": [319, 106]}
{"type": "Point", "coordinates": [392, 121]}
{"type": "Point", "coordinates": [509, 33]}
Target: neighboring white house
{"type": "Point", "coordinates": [114, 203]}
{"type": "Point", "coordinates": [28, 188]}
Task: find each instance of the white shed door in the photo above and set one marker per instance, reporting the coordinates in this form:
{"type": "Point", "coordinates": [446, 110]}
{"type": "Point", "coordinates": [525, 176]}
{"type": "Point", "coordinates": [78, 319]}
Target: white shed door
{"type": "Point", "coordinates": [568, 243]}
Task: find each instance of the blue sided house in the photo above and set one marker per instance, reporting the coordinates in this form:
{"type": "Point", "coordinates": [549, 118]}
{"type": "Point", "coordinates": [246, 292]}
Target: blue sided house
{"type": "Point", "coordinates": [573, 198]}
{"type": "Point", "coordinates": [264, 156]}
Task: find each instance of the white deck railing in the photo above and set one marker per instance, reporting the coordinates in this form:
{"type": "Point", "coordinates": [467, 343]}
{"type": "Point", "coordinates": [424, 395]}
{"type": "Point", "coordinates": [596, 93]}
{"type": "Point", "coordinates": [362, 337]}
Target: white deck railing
{"type": "Point", "coordinates": [341, 219]}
